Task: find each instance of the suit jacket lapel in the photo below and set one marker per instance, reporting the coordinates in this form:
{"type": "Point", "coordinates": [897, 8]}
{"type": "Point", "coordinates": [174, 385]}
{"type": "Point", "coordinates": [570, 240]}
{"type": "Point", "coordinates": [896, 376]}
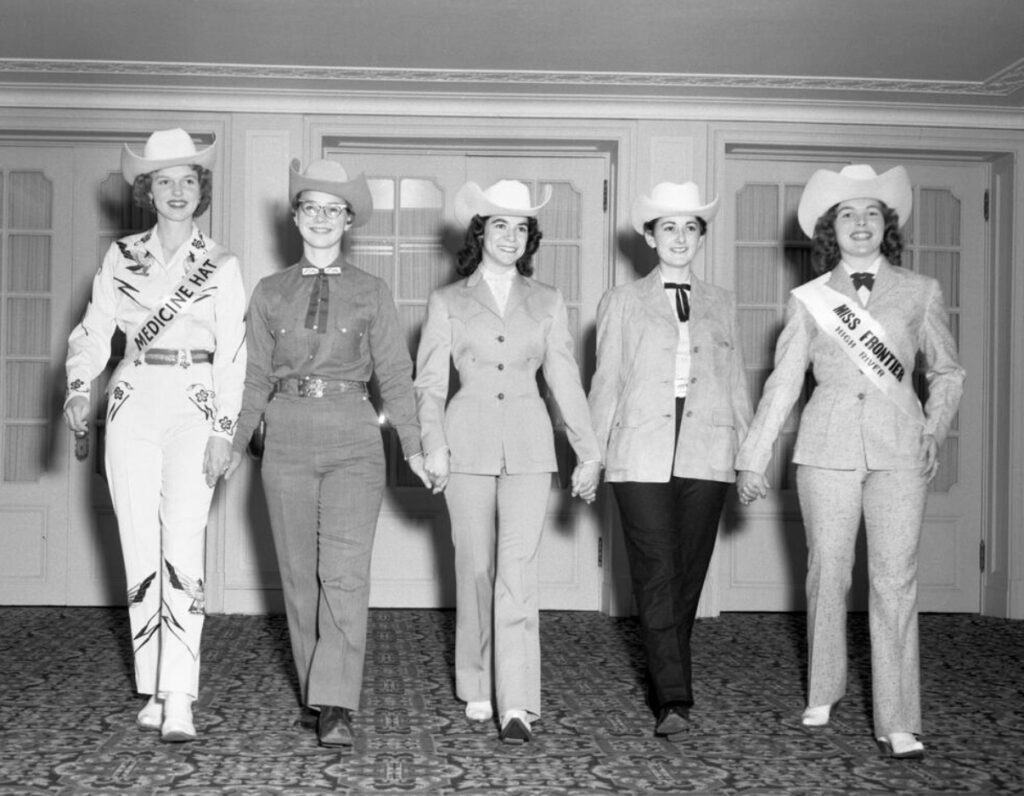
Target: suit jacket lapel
{"type": "Point", "coordinates": [478, 290]}
{"type": "Point", "coordinates": [652, 297]}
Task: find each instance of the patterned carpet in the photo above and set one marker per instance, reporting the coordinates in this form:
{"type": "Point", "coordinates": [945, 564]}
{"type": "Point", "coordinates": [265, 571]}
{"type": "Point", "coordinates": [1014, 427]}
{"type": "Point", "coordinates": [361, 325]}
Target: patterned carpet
{"type": "Point", "coordinates": [67, 714]}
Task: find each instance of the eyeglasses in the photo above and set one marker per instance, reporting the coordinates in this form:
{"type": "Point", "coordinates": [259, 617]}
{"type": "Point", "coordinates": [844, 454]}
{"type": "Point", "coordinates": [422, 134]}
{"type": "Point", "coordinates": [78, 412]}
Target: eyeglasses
{"type": "Point", "coordinates": [314, 209]}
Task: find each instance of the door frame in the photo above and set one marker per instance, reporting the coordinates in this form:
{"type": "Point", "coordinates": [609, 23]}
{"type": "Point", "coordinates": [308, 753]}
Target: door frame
{"type": "Point", "coordinates": [1002, 512]}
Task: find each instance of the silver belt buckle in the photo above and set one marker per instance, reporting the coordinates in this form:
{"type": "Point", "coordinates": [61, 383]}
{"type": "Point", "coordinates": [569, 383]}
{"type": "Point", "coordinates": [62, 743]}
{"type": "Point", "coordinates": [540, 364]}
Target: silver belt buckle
{"type": "Point", "coordinates": [184, 357]}
{"type": "Point", "coordinates": [311, 387]}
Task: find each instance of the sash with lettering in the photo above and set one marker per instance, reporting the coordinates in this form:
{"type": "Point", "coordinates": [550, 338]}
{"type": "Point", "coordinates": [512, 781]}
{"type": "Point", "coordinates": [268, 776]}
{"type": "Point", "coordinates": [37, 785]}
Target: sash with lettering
{"type": "Point", "coordinates": [187, 292]}
{"type": "Point", "coordinates": [864, 340]}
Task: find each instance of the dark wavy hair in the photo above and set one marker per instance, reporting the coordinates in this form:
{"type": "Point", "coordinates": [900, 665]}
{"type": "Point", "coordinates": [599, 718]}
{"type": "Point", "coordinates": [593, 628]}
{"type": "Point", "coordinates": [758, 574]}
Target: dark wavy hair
{"type": "Point", "coordinates": [826, 247]}
{"type": "Point", "coordinates": [472, 252]}
{"type": "Point", "coordinates": [649, 225]}
{"type": "Point", "coordinates": [143, 186]}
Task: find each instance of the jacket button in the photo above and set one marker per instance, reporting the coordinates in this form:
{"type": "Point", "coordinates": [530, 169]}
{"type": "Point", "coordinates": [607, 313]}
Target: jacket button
{"type": "Point", "coordinates": [501, 396]}
{"type": "Point", "coordinates": [689, 413]}
{"type": "Point", "coordinates": [501, 366]}
{"type": "Point", "coordinates": [501, 338]}
{"type": "Point", "coordinates": [693, 380]}
{"type": "Point", "coordinates": [860, 396]}
{"type": "Point", "coordinates": [696, 348]}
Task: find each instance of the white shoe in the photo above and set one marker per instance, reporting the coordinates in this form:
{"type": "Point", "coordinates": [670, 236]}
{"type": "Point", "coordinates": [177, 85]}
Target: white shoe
{"type": "Point", "coordinates": [817, 716]}
{"type": "Point", "coordinates": [479, 711]}
{"type": "Point", "coordinates": [177, 726]}
{"type": "Point", "coordinates": [152, 715]}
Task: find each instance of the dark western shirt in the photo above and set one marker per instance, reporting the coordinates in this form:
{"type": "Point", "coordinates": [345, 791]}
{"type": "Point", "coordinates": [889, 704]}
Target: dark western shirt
{"type": "Point", "coordinates": [363, 338]}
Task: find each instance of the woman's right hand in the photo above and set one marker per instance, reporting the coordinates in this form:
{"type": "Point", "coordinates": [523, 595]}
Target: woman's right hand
{"type": "Point", "coordinates": [750, 486]}
{"type": "Point", "coordinates": [236, 460]}
{"type": "Point", "coordinates": [438, 468]}
{"type": "Point", "coordinates": [76, 414]}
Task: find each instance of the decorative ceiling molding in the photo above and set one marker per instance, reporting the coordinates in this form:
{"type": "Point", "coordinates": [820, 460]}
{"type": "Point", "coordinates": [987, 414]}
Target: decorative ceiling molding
{"type": "Point", "coordinates": [1002, 84]}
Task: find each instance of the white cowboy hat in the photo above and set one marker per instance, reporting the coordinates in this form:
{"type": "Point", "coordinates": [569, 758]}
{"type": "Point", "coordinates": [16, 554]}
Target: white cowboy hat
{"type": "Point", "coordinates": [671, 199]}
{"type": "Point", "coordinates": [165, 148]}
{"type": "Point", "coordinates": [504, 198]}
{"type": "Point", "coordinates": [858, 181]}
{"type": "Point", "coordinates": [330, 176]}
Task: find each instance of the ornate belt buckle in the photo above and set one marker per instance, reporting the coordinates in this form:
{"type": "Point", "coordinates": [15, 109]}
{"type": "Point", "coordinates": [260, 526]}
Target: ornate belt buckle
{"type": "Point", "coordinates": [311, 387]}
{"type": "Point", "coordinates": [184, 358]}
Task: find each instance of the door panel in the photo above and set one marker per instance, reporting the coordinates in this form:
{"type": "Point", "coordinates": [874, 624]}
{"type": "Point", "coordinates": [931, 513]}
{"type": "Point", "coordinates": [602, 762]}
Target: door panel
{"type": "Point", "coordinates": [411, 244]}
{"type": "Point", "coordinates": [762, 563]}
{"type": "Point", "coordinates": [35, 249]}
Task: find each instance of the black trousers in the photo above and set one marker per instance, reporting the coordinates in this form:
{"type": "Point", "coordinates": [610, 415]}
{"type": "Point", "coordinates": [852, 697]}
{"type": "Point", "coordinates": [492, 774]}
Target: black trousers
{"type": "Point", "coordinates": [670, 531]}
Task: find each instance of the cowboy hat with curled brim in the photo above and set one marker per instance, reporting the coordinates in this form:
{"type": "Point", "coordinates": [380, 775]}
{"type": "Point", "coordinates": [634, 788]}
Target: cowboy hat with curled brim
{"type": "Point", "coordinates": [163, 149]}
{"type": "Point", "coordinates": [504, 198]}
{"type": "Point", "coordinates": [329, 176]}
{"type": "Point", "coordinates": [859, 181]}
{"type": "Point", "coordinates": [671, 199]}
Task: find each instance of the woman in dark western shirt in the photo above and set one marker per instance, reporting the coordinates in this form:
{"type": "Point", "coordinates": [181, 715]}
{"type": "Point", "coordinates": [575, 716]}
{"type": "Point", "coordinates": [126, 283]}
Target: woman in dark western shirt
{"type": "Point", "coordinates": [317, 332]}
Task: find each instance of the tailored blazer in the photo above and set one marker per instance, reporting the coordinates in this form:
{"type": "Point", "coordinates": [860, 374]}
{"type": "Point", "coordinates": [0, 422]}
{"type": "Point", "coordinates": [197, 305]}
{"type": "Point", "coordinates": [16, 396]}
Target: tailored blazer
{"type": "Point", "coordinates": [632, 396]}
{"type": "Point", "coordinates": [498, 420]}
{"type": "Point", "coordinates": [848, 422]}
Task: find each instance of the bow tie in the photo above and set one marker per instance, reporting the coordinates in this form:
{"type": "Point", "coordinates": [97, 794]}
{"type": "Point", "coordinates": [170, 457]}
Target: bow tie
{"type": "Point", "coordinates": [863, 279]}
{"type": "Point", "coordinates": [331, 270]}
{"type": "Point", "coordinates": [682, 299]}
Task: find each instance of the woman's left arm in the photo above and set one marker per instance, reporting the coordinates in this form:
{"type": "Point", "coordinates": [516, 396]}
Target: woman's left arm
{"type": "Point", "coordinates": [944, 375]}
{"type": "Point", "coordinates": [562, 374]}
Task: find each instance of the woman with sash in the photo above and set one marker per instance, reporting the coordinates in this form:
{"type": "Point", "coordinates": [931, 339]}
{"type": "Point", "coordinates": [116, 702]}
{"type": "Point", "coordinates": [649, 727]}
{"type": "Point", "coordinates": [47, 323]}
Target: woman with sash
{"type": "Point", "coordinates": [865, 446]}
{"type": "Point", "coordinates": [172, 409]}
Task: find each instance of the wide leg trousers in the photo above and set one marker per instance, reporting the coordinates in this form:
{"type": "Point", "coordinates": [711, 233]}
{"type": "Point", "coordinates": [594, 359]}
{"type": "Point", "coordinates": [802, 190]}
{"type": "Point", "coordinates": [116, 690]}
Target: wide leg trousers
{"type": "Point", "coordinates": [323, 476]}
{"type": "Point", "coordinates": [670, 530]}
{"type": "Point", "coordinates": [497, 522]}
{"type": "Point", "coordinates": [159, 419]}
{"type": "Point", "coordinates": [892, 503]}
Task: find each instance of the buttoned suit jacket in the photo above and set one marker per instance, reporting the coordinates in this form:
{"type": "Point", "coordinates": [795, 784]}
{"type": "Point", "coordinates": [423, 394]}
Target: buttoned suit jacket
{"type": "Point", "coordinates": [632, 395]}
{"type": "Point", "coordinates": [849, 423]}
{"type": "Point", "coordinates": [497, 419]}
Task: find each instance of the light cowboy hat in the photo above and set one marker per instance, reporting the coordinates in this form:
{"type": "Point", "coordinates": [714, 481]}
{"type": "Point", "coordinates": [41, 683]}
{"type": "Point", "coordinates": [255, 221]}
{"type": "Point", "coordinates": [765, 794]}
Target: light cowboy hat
{"type": "Point", "coordinates": [671, 199]}
{"type": "Point", "coordinates": [504, 198]}
{"type": "Point", "coordinates": [163, 149]}
{"type": "Point", "coordinates": [858, 181]}
{"type": "Point", "coordinates": [330, 176]}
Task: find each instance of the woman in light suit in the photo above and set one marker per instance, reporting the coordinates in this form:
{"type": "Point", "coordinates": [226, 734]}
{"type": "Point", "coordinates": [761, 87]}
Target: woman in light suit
{"type": "Point", "coordinates": [491, 448]}
{"type": "Point", "coordinates": [864, 446]}
{"type": "Point", "coordinates": [669, 402]}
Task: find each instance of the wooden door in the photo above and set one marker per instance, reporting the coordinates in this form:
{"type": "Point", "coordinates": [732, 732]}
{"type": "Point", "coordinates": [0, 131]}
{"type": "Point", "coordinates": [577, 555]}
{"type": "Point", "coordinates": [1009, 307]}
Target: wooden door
{"type": "Point", "coordinates": [761, 561]}
{"type": "Point", "coordinates": [35, 252]}
{"type": "Point", "coordinates": [411, 242]}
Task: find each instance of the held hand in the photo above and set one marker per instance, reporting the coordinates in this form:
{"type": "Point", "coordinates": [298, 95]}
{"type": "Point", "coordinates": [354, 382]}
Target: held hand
{"type": "Point", "coordinates": [438, 468]}
{"type": "Point", "coordinates": [585, 480]}
{"type": "Point", "coordinates": [76, 414]}
{"type": "Point", "coordinates": [416, 465]}
{"type": "Point", "coordinates": [216, 459]}
{"type": "Point", "coordinates": [750, 486]}
{"type": "Point", "coordinates": [236, 460]}
{"type": "Point", "coordinates": [929, 456]}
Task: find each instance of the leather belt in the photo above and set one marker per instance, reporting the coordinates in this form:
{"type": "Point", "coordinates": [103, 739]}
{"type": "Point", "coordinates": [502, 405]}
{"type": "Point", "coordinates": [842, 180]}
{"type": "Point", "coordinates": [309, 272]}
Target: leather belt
{"type": "Point", "coordinates": [317, 387]}
{"type": "Point", "coordinates": [175, 356]}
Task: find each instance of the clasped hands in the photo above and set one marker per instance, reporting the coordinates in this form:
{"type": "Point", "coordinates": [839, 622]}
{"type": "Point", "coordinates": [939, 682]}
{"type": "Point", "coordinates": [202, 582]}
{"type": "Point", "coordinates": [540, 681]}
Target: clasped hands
{"type": "Point", "coordinates": [434, 469]}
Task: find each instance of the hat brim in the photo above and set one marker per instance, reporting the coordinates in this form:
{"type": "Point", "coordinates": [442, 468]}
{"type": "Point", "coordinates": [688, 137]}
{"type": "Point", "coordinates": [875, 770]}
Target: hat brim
{"type": "Point", "coordinates": [355, 192]}
{"type": "Point", "coordinates": [470, 201]}
{"type": "Point", "coordinates": [133, 165]}
{"type": "Point", "coordinates": [827, 188]}
{"type": "Point", "coordinates": [645, 210]}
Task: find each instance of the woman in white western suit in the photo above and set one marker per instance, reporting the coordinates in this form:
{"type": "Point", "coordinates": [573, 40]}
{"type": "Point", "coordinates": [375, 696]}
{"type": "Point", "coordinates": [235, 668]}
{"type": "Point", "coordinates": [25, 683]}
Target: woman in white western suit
{"type": "Point", "coordinates": [670, 404]}
{"type": "Point", "coordinates": [491, 448]}
{"type": "Point", "coordinates": [172, 413]}
{"type": "Point", "coordinates": [865, 446]}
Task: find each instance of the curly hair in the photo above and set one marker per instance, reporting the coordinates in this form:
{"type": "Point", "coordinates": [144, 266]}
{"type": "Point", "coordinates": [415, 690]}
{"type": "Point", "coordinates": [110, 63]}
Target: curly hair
{"type": "Point", "coordinates": [472, 251]}
{"type": "Point", "coordinates": [143, 187]}
{"type": "Point", "coordinates": [826, 254]}
{"type": "Point", "coordinates": [649, 225]}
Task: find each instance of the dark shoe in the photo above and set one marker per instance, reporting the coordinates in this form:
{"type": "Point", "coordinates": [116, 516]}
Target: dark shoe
{"type": "Point", "coordinates": [307, 719]}
{"type": "Point", "coordinates": [335, 726]}
{"type": "Point", "coordinates": [515, 731]}
{"type": "Point", "coordinates": [672, 720]}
